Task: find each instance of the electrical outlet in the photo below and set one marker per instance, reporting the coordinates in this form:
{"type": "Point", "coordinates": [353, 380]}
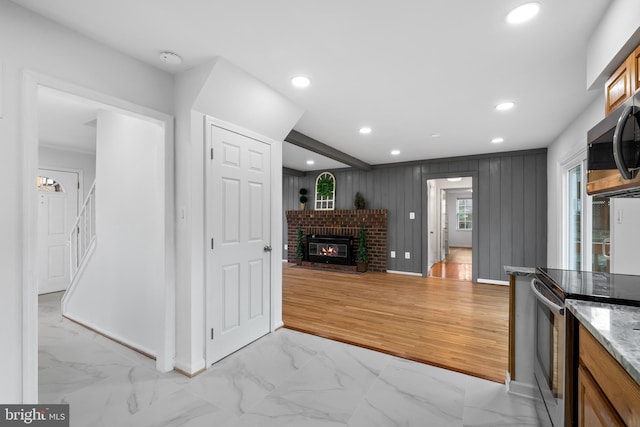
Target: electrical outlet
{"type": "Point", "coordinates": [407, 255]}
{"type": "Point", "coordinates": [412, 215]}
{"type": "Point", "coordinates": [286, 247]}
{"type": "Point", "coordinates": [393, 254]}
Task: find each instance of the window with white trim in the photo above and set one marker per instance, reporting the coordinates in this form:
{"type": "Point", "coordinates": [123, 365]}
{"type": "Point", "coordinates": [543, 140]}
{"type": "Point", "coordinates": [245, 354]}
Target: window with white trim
{"type": "Point", "coordinates": [464, 213]}
{"type": "Point", "coordinates": [325, 192]}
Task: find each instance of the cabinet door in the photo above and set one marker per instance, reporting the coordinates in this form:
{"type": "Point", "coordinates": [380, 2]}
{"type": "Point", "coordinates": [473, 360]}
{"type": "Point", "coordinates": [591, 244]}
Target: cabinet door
{"type": "Point", "coordinates": [635, 70]}
{"type": "Point", "coordinates": [618, 87]}
{"type": "Point", "coordinates": [594, 410]}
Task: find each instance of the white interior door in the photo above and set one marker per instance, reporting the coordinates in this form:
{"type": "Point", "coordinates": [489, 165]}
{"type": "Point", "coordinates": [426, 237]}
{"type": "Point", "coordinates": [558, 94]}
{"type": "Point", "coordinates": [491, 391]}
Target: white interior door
{"type": "Point", "coordinates": [238, 189]}
{"type": "Point", "coordinates": [57, 210]}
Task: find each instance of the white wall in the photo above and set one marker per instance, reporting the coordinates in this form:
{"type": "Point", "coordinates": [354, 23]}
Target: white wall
{"type": "Point", "coordinates": [119, 291]}
{"type": "Point", "coordinates": [53, 157]}
{"type": "Point", "coordinates": [29, 42]}
{"type": "Point", "coordinates": [457, 238]}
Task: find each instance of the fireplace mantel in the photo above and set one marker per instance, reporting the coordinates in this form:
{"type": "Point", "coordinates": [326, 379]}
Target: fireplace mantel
{"type": "Point", "coordinates": [343, 223]}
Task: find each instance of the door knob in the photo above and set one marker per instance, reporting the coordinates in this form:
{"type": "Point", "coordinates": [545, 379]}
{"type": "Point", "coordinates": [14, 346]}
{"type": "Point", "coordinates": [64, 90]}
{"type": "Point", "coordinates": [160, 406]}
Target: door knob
{"type": "Point", "coordinates": [267, 248]}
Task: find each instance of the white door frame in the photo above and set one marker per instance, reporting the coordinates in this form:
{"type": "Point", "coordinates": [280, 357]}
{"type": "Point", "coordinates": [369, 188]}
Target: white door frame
{"type": "Point", "coordinates": [29, 112]}
{"type": "Point", "coordinates": [276, 219]}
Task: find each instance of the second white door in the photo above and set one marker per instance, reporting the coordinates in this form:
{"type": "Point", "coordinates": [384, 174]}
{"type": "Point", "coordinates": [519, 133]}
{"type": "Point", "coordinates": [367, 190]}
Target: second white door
{"type": "Point", "coordinates": [238, 197]}
{"type": "Point", "coordinates": [57, 210]}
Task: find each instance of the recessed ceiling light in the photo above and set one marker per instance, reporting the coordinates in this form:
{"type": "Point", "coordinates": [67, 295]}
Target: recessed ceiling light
{"type": "Point", "coordinates": [505, 106]}
{"type": "Point", "coordinates": [454, 179]}
{"type": "Point", "coordinates": [310, 162]}
{"type": "Point", "coordinates": [365, 130]}
{"type": "Point", "coordinates": [170, 58]}
{"type": "Point", "coordinates": [497, 140]}
{"type": "Point", "coordinates": [523, 13]}
{"type": "Point", "coordinates": [301, 81]}
{"type": "Point", "coordinates": [395, 152]}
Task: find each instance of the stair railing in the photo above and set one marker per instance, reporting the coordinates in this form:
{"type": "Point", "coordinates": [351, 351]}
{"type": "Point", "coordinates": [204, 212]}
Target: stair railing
{"type": "Point", "coordinates": [83, 232]}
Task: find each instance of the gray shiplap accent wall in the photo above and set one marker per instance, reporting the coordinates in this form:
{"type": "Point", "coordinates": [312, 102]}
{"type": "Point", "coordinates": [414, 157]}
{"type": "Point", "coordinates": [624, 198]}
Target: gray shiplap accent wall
{"type": "Point", "coordinates": [510, 215]}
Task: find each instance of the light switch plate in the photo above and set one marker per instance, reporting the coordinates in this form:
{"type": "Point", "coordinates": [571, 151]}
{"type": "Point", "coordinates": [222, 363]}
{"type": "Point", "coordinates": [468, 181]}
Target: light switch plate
{"type": "Point", "coordinates": [393, 254]}
{"type": "Point", "coordinates": [407, 255]}
{"type": "Point", "coordinates": [286, 247]}
{"type": "Point", "coordinates": [412, 215]}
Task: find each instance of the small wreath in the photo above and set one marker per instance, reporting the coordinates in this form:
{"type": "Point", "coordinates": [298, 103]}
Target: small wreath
{"type": "Point", "coordinates": [325, 186]}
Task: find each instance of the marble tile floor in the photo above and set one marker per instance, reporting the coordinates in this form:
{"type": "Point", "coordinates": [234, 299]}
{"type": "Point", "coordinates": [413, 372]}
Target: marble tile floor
{"type": "Point", "coordinates": [286, 378]}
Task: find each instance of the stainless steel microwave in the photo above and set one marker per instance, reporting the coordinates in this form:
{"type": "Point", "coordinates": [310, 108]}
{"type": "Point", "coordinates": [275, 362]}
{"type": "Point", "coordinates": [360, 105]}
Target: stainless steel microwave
{"type": "Point", "coordinates": [613, 154]}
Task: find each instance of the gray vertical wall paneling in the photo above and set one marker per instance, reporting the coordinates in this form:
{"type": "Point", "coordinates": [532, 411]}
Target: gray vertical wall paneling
{"type": "Point", "coordinates": [530, 213]}
{"type": "Point", "coordinates": [346, 188]}
{"type": "Point", "coordinates": [541, 209]}
{"type": "Point", "coordinates": [358, 185]}
{"type": "Point", "coordinates": [517, 211]}
{"type": "Point", "coordinates": [475, 254]}
{"type": "Point", "coordinates": [399, 220]}
{"type": "Point", "coordinates": [495, 220]}
{"type": "Point", "coordinates": [510, 206]}
{"type": "Point", "coordinates": [506, 214]}
{"type": "Point", "coordinates": [484, 216]}
{"type": "Point", "coordinates": [409, 198]}
{"type": "Point", "coordinates": [407, 230]}
{"type": "Point", "coordinates": [417, 223]}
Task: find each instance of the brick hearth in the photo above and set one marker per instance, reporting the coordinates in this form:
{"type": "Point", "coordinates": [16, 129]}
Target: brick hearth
{"type": "Point", "coordinates": [343, 223]}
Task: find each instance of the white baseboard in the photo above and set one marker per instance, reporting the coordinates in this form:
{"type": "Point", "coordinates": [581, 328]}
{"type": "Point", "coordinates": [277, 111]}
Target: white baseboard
{"type": "Point", "coordinates": [521, 389]}
{"type": "Point", "coordinates": [494, 282]}
{"type": "Point", "coordinates": [406, 273]}
{"type": "Point", "coordinates": [191, 369]}
{"type": "Point", "coordinates": [113, 336]}
{"type": "Point", "coordinates": [277, 326]}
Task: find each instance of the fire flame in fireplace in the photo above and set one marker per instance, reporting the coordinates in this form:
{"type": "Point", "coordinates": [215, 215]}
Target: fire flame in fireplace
{"type": "Point", "coordinates": [329, 251]}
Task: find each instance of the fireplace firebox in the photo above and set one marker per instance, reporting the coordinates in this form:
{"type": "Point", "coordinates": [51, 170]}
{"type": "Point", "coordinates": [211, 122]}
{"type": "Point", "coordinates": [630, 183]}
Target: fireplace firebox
{"type": "Point", "coordinates": [330, 249]}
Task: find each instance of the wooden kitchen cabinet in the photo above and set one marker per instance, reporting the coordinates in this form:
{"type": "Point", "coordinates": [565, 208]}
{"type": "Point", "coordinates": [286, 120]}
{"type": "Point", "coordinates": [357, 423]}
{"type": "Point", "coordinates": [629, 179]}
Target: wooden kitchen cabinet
{"type": "Point", "coordinates": [594, 407]}
{"type": "Point", "coordinates": [635, 67]}
{"type": "Point", "coordinates": [623, 83]}
{"type": "Point", "coordinates": [619, 86]}
{"type": "Point", "coordinates": [607, 395]}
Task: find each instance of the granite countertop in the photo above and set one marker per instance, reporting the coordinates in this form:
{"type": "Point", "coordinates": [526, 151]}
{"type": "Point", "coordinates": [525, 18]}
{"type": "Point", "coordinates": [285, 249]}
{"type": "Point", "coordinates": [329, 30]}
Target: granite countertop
{"type": "Point", "coordinates": [519, 271]}
{"type": "Point", "coordinates": [616, 327]}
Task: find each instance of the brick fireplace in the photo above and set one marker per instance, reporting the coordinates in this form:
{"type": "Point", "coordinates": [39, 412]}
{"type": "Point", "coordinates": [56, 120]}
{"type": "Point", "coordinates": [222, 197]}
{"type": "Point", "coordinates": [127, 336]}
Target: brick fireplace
{"type": "Point", "coordinates": [342, 223]}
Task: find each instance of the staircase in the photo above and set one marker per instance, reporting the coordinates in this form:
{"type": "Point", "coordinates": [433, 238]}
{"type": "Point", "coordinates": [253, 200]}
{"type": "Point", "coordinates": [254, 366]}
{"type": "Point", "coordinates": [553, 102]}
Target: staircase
{"type": "Point", "coordinates": [82, 239]}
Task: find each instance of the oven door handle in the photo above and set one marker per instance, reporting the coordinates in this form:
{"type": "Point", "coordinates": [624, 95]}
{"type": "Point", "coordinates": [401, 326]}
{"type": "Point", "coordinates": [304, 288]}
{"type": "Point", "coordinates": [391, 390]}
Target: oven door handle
{"type": "Point", "coordinates": [553, 306]}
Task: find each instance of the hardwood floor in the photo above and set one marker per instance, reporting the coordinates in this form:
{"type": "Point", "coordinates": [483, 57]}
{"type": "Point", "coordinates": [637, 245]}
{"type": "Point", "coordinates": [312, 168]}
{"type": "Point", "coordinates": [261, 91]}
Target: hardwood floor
{"type": "Point", "coordinates": [456, 265]}
{"type": "Point", "coordinates": [459, 255]}
{"type": "Point", "coordinates": [452, 324]}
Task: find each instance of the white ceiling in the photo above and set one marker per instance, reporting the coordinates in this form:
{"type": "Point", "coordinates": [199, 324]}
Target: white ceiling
{"type": "Point", "coordinates": [407, 69]}
{"type": "Point", "coordinates": [66, 122]}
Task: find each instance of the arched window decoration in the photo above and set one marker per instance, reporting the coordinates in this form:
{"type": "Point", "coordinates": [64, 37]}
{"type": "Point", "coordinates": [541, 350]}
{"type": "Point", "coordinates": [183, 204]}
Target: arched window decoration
{"type": "Point", "coordinates": [49, 185]}
{"type": "Point", "coordinates": [325, 192]}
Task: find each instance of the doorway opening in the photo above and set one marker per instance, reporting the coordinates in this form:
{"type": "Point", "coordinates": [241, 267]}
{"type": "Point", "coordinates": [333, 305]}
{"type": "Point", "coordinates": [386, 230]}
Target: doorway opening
{"type": "Point", "coordinates": [46, 156]}
{"type": "Point", "coordinates": [450, 228]}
